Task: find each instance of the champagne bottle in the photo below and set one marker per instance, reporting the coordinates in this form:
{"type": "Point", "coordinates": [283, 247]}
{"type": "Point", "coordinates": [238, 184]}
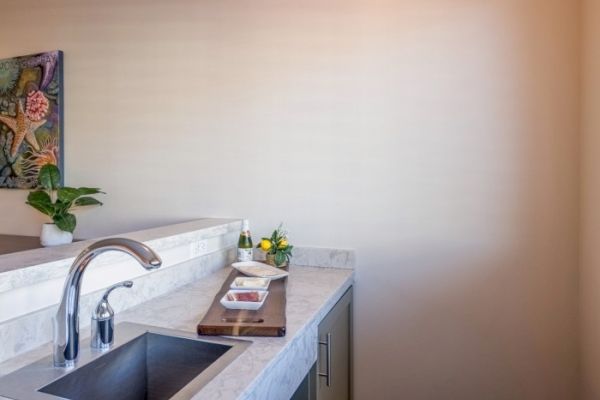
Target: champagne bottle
{"type": "Point", "coordinates": [245, 243]}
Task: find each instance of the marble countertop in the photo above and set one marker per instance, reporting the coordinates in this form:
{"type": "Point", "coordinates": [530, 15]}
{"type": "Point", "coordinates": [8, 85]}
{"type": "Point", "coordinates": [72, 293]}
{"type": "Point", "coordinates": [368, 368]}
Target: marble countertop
{"type": "Point", "coordinates": [271, 367]}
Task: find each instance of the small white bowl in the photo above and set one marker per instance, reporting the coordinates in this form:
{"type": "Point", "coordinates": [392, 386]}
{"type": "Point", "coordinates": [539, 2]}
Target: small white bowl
{"type": "Point", "coordinates": [245, 283]}
{"type": "Point", "coordinates": [244, 305]}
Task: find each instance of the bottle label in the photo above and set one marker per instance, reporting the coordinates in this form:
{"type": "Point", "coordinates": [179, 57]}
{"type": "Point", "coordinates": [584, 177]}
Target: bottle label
{"type": "Point", "coordinates": [245, 254]}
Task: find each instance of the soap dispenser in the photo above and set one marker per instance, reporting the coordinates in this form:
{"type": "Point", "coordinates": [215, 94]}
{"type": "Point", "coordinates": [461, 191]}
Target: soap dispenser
{"type": "Point", "coordinates": [103, 320]}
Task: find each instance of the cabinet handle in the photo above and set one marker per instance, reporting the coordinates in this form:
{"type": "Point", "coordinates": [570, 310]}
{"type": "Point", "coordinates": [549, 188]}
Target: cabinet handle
{"type": "Point", "coordinates": [328, 374]}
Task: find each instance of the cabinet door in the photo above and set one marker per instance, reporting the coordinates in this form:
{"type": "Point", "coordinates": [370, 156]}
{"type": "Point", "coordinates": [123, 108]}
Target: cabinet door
{"type": "Point", "coordinates": [306, 390]}
{"type": "Point", "coordinates": [334, 356]}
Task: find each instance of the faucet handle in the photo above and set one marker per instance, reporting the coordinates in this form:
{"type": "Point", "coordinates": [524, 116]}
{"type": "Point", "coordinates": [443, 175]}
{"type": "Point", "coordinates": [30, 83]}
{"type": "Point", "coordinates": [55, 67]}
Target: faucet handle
{"type": "Point", "coordinates": [126, 284]}
{"type": "Point", "coordinates": [103, 319]}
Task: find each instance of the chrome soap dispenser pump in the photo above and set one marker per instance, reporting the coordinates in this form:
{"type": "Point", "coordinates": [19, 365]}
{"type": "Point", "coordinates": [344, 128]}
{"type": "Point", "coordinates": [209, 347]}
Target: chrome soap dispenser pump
{"type": "Point", "coordinates": [103, 320]}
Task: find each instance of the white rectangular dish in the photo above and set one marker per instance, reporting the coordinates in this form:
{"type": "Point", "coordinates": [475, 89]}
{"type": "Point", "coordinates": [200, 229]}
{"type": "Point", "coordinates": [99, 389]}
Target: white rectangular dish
{"type": "Point", "coordinates": [232, 300]}
{"type": "Point", "coordinates": [260, 270]}
{"type": "Point", "coordinates": [250, 283]}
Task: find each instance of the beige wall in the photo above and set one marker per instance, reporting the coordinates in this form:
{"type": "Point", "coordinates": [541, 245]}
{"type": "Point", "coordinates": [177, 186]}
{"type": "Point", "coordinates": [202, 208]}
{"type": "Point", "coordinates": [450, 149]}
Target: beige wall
{"type": "Point", "coordinates": [437, 137]}
{"type": "Point", "coordinates": [590, 254]}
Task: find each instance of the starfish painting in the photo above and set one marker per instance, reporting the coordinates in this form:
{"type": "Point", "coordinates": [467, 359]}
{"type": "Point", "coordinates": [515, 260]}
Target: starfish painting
{"type": "Point", "coordinates": [23, 128]}
{"type": "Point", "coordinates": [47, 62]}
{"type": "Point", "coordinates": [31, 117]}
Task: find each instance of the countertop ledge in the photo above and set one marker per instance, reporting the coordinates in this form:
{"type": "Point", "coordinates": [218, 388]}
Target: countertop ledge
{"type": "Point", "coordinates": [31, 267]}
{"type": "Point", "coordinates": [66, 253]}
{"type": "Point", "coordinates": [271, 367]}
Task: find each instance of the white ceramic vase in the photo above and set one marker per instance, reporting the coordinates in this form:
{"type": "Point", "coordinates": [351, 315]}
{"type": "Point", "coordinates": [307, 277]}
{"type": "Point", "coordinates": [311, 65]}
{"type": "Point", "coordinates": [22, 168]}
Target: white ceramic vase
{"type": "Point", "coordinates": [52, 236]}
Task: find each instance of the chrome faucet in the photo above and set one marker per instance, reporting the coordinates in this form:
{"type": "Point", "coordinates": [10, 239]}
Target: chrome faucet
{"type": "Point", "coordinates": [66, 321]}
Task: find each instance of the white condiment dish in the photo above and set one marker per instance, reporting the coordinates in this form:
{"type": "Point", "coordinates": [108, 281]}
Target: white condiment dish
{"type": "Point", "coordinates": [250, 283]}
{"type": "Point", "coordinates": [229, 301]}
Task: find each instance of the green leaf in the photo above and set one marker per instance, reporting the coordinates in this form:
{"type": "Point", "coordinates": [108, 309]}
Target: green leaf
{"type": "Point", "coordinates": [83, 191]}
{"type": "Point", "coordinates": [65, 222]}
{"type": "Point", "coordinates": [41, 201]}
{"type": "Point", "coordinates": [41, 208]}
{"type": "Point", "coordinates": [68, 194]}
{"type": "Point", "coordinates": [88, 201]}
{"type": "Point", "coordinates": [61, 207]}
{"type": "Point", "coordinates": [280, 258]}
{"type": "Point", "coordinates": [49, 177]}
{"type": "Point", "coordinates": [39, 196]}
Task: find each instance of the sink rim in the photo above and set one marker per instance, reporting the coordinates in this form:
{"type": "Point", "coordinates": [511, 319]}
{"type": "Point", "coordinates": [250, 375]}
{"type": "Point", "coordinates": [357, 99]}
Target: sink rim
{"type": "Point", "coordinates": [25, 383]}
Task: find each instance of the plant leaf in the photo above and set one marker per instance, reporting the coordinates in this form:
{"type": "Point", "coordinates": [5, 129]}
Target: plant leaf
{"type": "Point", "coordinates": [86, 190]}
{"type": "Point", "coordinates": [68, 194]}
{"type": "Point", "coordinates": [41, 208]}
{"type": "Point", "coordinates": [41, 201]}
{"type": "Point", "coordinates": [49, 177]}
{"type": "Point", "coordinates": [88, 201]}
{"type": "Point", "coordinates": [65, 222]}
{"type": "Point", "coordinates": [279, 258]}
{"type": "Point", "coordinates": [61, 207]}
{"type": "Point", "coordinates": [39, 196]}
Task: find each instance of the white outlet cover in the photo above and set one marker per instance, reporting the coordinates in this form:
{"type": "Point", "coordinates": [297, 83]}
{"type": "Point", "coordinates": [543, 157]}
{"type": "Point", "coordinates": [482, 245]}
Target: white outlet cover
{"type": "Point", "coordinates": [197, 248]}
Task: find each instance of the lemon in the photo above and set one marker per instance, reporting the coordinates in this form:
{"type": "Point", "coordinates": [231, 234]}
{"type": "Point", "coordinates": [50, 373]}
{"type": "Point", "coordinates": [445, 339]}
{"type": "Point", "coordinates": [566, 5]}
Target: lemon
{"type": "Point", "coordinates": [282, 244]}
{"type": "Point", "coordinates": [265, 245]}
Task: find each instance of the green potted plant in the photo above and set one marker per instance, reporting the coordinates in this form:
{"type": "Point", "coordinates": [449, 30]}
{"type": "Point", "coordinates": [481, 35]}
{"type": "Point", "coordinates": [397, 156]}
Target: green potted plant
{"type": "Point", "coordinates": [277, 248]}
{"type": "Point", "coordinates": [58, 202]}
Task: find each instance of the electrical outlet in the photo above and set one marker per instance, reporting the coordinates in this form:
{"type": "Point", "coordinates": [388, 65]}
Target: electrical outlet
{"type": "Point", "coordinates": [197, 248]}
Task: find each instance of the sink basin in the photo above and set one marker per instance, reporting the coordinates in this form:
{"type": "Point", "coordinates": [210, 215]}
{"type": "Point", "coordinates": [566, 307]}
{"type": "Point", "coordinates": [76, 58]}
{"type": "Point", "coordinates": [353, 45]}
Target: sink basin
{"type": "Point", "coordinates": [150, 367]}
{"type": "Point", "coordinates": [146, 363]}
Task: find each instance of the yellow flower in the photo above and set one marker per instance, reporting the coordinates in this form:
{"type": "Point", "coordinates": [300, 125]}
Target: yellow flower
{"type": "Point", "coordinates": [282, 244]}
{"type": "Point", "coordinates": [265, 245]}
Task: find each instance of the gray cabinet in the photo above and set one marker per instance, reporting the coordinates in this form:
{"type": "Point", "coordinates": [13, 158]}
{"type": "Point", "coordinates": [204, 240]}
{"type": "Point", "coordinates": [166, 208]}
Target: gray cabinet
{"type": "Point", "coordinates": [307, 389]}
{"type": "Point", "coordinates": [330, 377]}
{"type": "Point", "coordinates": [335, 352]}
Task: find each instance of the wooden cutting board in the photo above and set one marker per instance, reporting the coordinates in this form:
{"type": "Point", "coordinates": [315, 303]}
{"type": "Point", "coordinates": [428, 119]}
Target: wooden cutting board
{"type": "Point", "coordinates": [269, 320]}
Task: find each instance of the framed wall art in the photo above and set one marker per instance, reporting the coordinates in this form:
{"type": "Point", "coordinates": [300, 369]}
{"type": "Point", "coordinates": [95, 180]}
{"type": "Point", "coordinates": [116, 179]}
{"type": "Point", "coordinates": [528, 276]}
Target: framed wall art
{"type": "Point", "coordinates": [31, 117]}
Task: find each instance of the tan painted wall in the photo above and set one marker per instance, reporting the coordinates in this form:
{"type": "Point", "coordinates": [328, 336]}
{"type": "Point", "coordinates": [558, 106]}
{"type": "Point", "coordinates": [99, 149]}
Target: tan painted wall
{"type": "Point", "coordinates": [437, 137]}
{"type": "Point", "coordinates": [590, 254]}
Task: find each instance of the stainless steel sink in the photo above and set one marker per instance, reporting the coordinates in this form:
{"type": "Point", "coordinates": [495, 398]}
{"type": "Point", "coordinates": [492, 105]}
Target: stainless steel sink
{"type": "Point", "coordinates": [145, 363]}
